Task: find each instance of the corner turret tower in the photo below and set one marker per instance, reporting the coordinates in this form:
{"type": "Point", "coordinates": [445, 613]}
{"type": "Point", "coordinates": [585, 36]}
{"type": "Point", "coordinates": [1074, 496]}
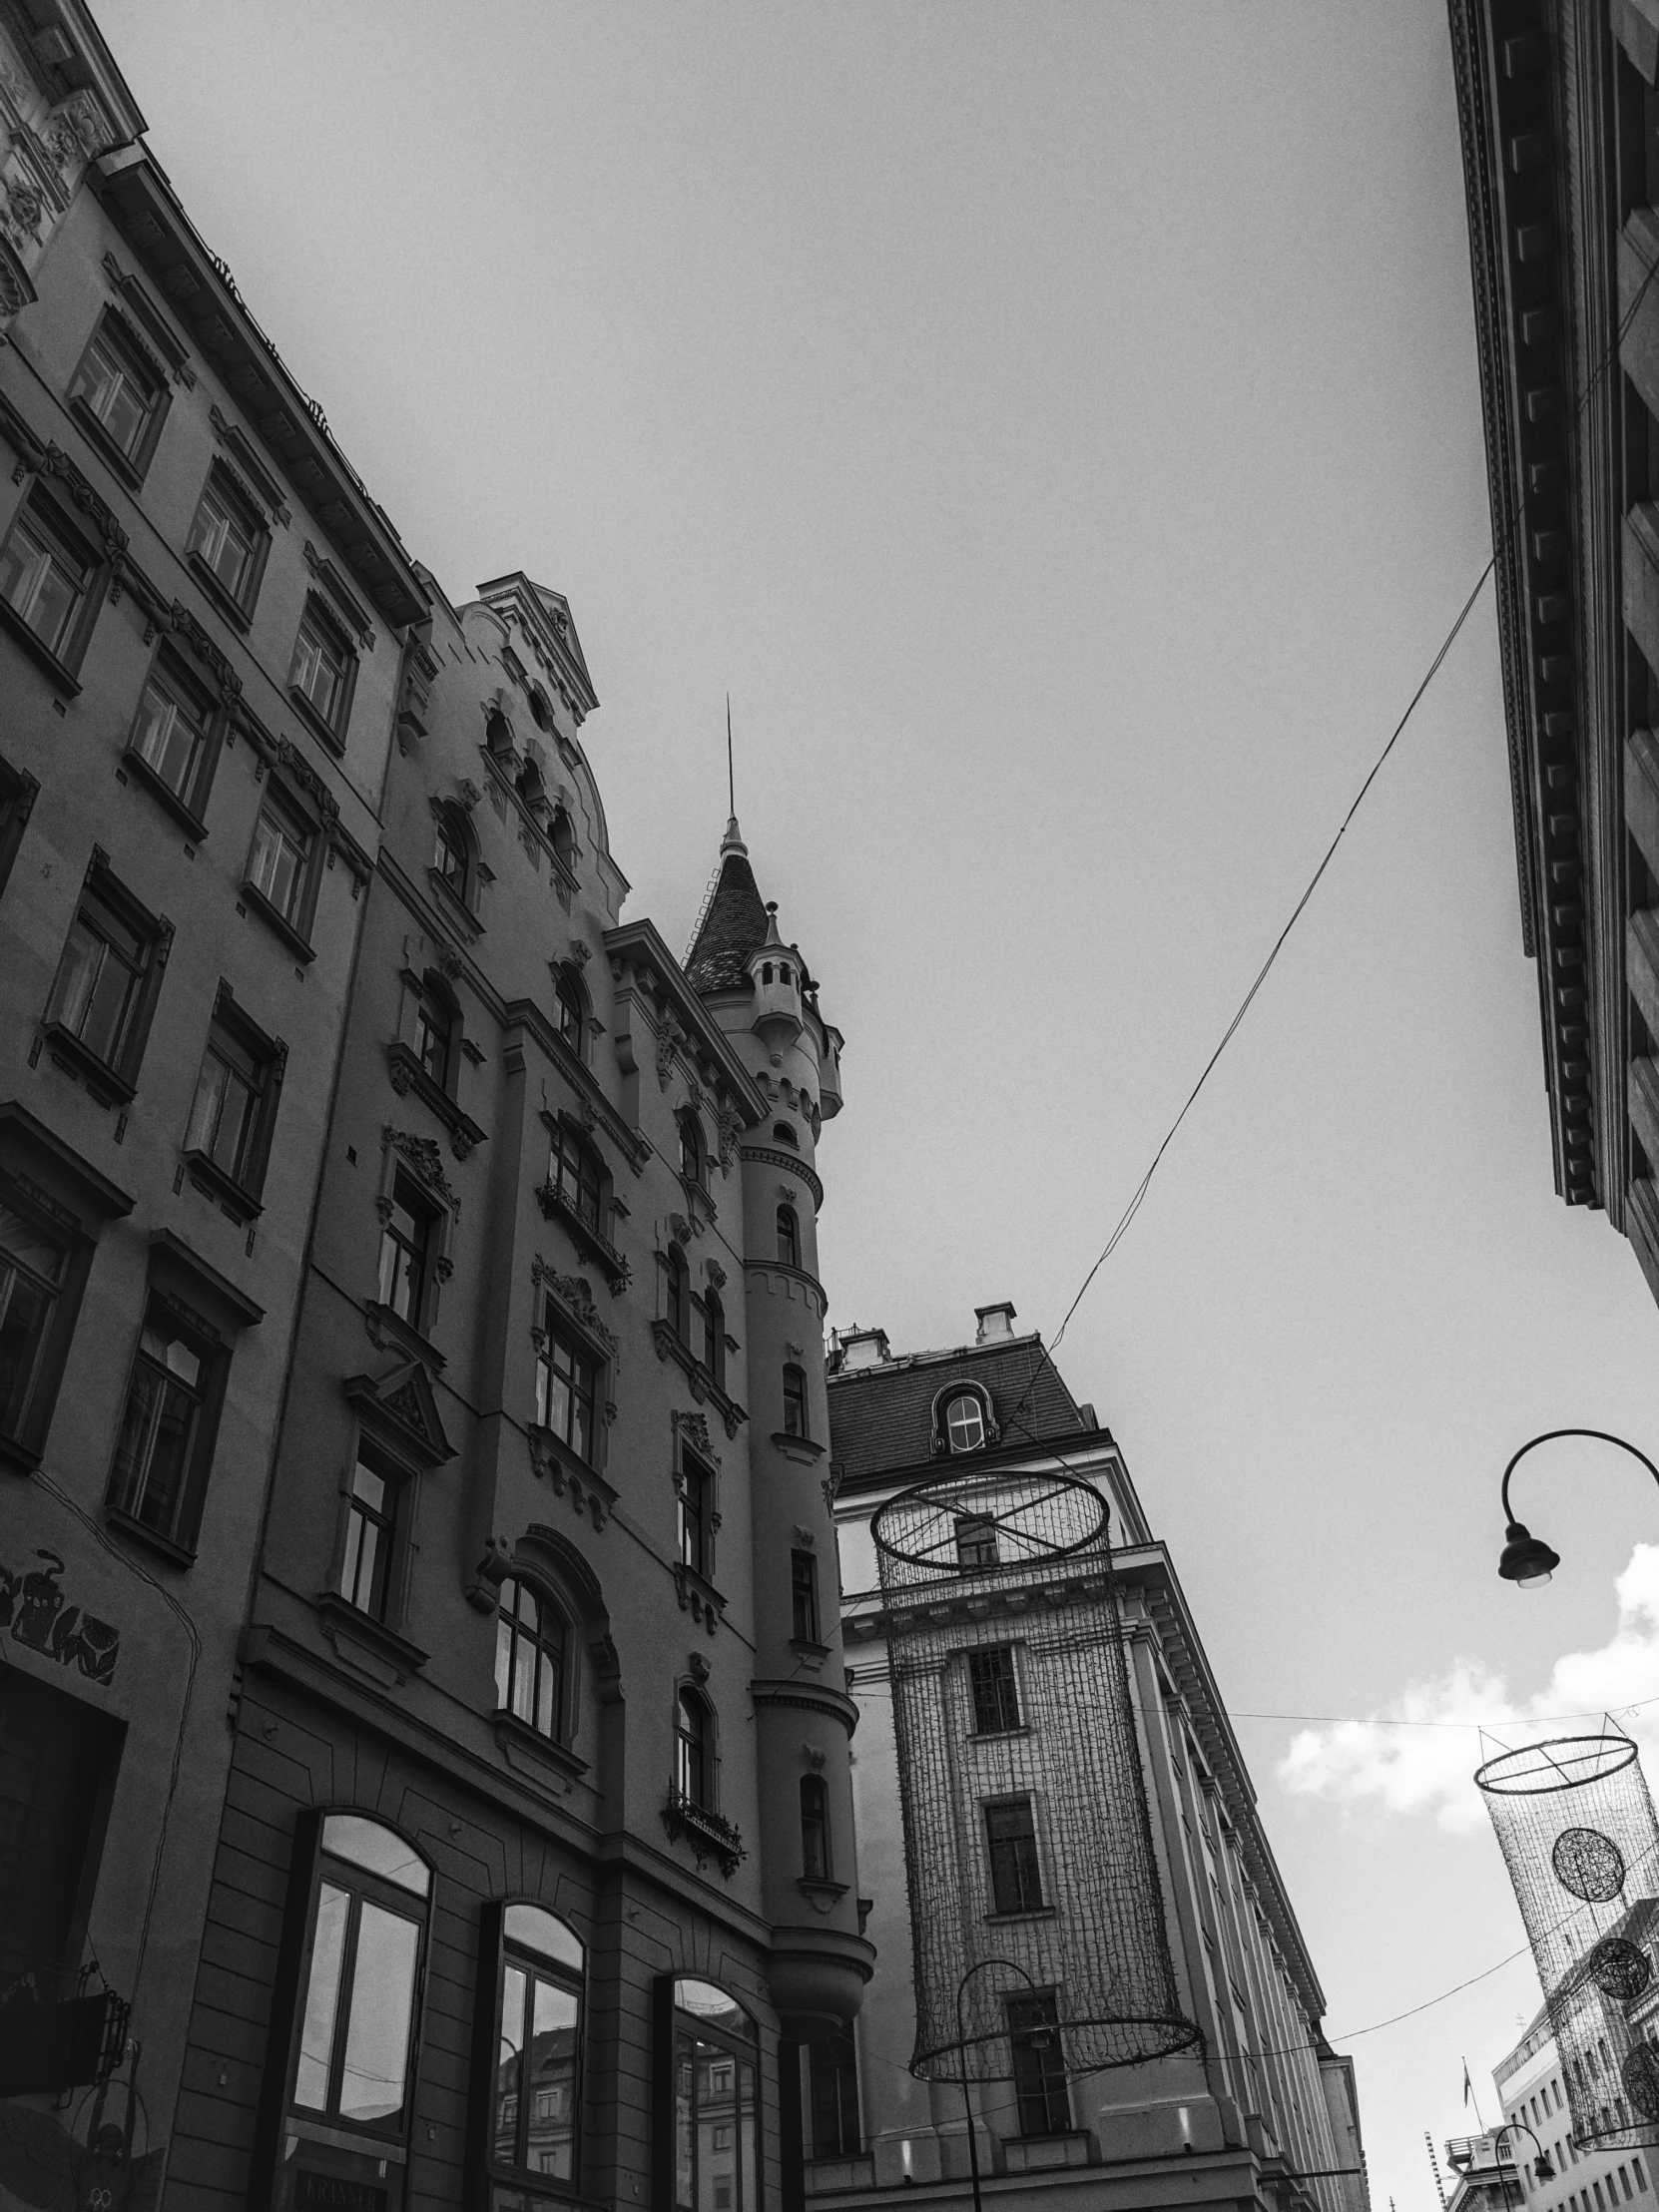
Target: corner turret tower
{"type": "Point", "coordinates": [757, 988]}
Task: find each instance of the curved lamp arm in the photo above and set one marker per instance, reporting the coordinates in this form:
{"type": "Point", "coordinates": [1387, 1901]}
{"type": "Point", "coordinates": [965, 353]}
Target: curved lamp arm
{"type": "Point", "coordinates": [1509, 2126]}
{"type": "Point", "coordinates": [1526, 1558]}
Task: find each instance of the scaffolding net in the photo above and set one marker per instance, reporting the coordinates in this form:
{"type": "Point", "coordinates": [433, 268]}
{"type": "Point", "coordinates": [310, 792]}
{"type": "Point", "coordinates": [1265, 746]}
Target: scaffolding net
{"type": "Point", "coordinates": [1036, 1914]}
{"type": "Point", "coordinates": [1575, 1824]}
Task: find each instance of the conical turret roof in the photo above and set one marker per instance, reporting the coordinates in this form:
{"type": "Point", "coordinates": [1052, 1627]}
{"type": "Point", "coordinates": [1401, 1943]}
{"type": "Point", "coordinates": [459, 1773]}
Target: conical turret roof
{"type": "Point", "coordinates": [734, 925]}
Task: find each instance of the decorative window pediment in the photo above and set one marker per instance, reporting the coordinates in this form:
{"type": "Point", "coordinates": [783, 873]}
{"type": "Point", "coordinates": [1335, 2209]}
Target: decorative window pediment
{"type": "Point", "coordinates": [403, 1403]}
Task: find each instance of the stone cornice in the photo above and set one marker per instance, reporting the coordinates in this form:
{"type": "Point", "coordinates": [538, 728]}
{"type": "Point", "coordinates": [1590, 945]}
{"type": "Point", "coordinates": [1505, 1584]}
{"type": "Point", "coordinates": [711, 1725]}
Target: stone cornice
{"type": "Point", "coordinates": [638, 956]}
{"type": "Point", "coordinates": [791, 1162]}
{"type": "Point", "coordinates": [808, 1697]}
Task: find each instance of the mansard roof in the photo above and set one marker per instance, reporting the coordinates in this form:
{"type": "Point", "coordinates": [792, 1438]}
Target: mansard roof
{"type": "Point", "coordinates": [881, 1417]}
{"type": "Point", "coordinates": [734, 926]}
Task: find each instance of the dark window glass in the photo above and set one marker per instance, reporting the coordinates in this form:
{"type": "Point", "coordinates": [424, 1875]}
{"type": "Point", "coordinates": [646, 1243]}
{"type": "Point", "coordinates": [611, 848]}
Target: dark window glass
{"type": "Point", "coordinates": [533, 2129]}
{"type": "Point", "coordinates": [678, 1287]}
{"type": "Point", "coordinates": [964, 1423]}
{"type": "Point", "coordinates": [693, 1764]}
{"type": "Point", "coordinates": [1039, 2065]}
{"type": "Point", "coordinates": [794, 1402]}
{"type": "Point", "coordinates": [803, 1596]}
{"type": "Point", "coordinates": [321, 669]}
{"type": "Point", "coordinates": [449, 857]}
{"type": "Point", "coordinates": [1011, 1839]}
{"type": "Point", "coordinates": [432, 1026]}
{"type": "Point", "coordinates": [224, 1114]}
{"type": "Point", "coordinates": [995, 1689]}
{"type": "Point", "coordinates": [572, 1011]}
{"type": "Point", "coordinates": [835, 2094]}
{"type": "Point", "coordinates": [357, 2020]}
{"type": "Point", "coordinates": [32, 1265]}
{"type": "Point", "coordinates": [280, 858]}
{"type": "Point", "coordinates": [788, 1236]}
{"type": "Point", "coordinates": [530, 1660]}
{"type": "Point", "coordinates": [714, 1336]}
{"type": "Point", "coordinates": [44, 577]}
{"type": "Point", "coordinates": [691, 1150]}
{"type": "Point", "coordinates": [405, 1243]}
{"type": "Point", "coordinates": [696, 1492]}
{"type": "Point", "coordinates": [975, 1540]}
{"type": "Point", "coordinates": [574, 1175]}
{"type": "Point", "coordinates": [171, 734]}
{"type": "Point", "coordinates": [713, 2121]}
{"type": "Point", "coordinates": [150, 1477]}
{"type": "Point", "coordinates": [815, 1829]}
{"type": "Point", "coordinates": [228, 538]}
{"type": "Point", "coordinates": [567, 1383]}
{"type": "Point", "coordinates": [370, 1538]}
{"type": "Point", "coordinates": [56, 1754]}
{"type": "Point", "coordinates": [118, 387]}
{"type": "Point", "coordinates": [98, 987]}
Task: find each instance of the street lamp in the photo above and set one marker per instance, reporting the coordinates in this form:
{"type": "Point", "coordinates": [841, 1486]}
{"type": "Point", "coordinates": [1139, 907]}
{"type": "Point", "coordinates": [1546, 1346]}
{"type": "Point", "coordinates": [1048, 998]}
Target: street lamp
{"type": "Point", "coordinates": [1543, 2166]}
{"type": "Point", "coordinates": [1527, 1560]}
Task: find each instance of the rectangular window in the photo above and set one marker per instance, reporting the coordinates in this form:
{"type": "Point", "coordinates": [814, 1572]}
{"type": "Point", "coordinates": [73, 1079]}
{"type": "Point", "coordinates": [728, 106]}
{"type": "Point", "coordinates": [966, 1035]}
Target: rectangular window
{"type": "Point", "coordinates": [995, 1690]}
{"type": "Point", "coordinates": [160, 1452]}
{"type": "Point", "coordinates": [18, 790]}
{"type": "Point", "coordinates": [405, 1254]}
{"type": "Point", "coordinates": [370, 1539]}
{"type": "Point", "coordinates": [33, 1267]}
{"type": "Point", "coordinates": [115, 386]}
{"type": "Point", "coordinates": [231, 1112]}
{"type": "Point", "coordinates": [98, 997]}
{"type": "Point", "coordinates": [695, 1486]}
{"type": "Point", "coordinates": [229, 540]}
{"type": "Point", "coordinates": [279, 867]}
{"type": "Point", "coordinates": [323, 670]}
{"type": "Point", "coordinates": [975, 1540]}
{"type": "Point", "coordinates": [45, 578]}
{"type": "Point", "coordinates": [1011, 1839]}
{"type": "Point", "coordinates": [567, 1384]}
{"type": "Point", "coordinates": [803, 1596]}
{"type": "Point", "coordinates": [1636, 2169]}
{"type": "Point", "coordinates": [172, 733]}
{"type": "Point", "coordinates": [56, 1766]}
{"type": "Point", "coordinates": [834, 2080]}
{"type": "Point", "coordinates": [794, 1402]}
{"type": "Point", "coordinates": [1039, 2065]}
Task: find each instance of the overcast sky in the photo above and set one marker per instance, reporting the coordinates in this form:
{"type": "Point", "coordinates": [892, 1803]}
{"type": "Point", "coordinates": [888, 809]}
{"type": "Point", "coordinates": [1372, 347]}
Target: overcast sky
{"type": "Point", "coordinates": [1058, 427]}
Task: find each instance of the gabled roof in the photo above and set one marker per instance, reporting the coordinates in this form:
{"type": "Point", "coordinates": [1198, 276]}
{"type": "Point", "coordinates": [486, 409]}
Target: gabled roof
{"type": "Point", "coordinates": [543, 620]}
{"type": "Point", "coordinates": [733, 925]}
{"type": "Point", "coordinates": [881, 1417]}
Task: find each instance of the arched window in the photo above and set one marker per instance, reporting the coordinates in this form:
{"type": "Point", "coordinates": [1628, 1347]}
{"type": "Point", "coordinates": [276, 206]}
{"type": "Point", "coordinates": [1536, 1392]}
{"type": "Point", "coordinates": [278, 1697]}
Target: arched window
{"type": "Point", "coordinates": [715, 2168]}
{"type": "Point", "coordinates": [573, 1175]}
{"type": "Point", "coordinates": [498, 732]}
{"type": "Point", "coordinates": [677, 1293]}
{"type": "Point", "coordinates": [714, 1336]}
{"type": "Point", "coordinates": [815, 1829]}
{"type": "Point", "coordinates": [794, 1402]}
{"type": "Point", "coordinates": [964, 1422]}
{"type": "Point", "coordinates": [535, 2101]}
{"type": "Point", "coordinates": [435, 1025]}
{"type": "Point", "coordinates": [694, 1765]}
{"type": "Point", "coordinates": [788, 1236]}
{"type": "Point", "coordinates": [571, 1007]}
{"type": "Point", "coordinates": [786, 1134]}
{"type": "Point", "coordinates": [530, 1660]}
{"type": "Point", "coordinates": [531, 788]}
{"type": "Point", "coordinates": [766, 971]}
{"type": "Point", "coordinates": [690, 1149]}
{"type": "Point", "coordinates": [453, 853]}
{"type": "Point", "coordinates": [564, 837]}
{"type": "Point", "coordinates": [540, 710]}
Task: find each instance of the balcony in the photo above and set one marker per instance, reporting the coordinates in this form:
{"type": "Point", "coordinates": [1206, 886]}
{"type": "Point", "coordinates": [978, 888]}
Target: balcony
{"type": "Point", "coordinates": [708, 1835]}
{"type": "Point", "coordinates": [615, 1268]}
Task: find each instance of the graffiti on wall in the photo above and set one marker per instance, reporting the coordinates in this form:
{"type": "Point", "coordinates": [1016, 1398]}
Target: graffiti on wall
{"type": "Point", "coordinates": [33, 1610]}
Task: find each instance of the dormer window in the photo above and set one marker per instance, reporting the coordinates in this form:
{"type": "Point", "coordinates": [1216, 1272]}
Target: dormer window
{"type": "Point", "coordinates": [964, 1423]}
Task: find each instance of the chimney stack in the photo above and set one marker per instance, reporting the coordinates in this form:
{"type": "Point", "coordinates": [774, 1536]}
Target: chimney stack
{"type": "Point", "coordinates": [865, 1347]}
{"type": "Point", "coordinates": [994, 1322]}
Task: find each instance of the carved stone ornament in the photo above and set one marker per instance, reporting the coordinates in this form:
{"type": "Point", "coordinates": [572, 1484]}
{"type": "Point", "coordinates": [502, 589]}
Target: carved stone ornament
{"type": "Point", "coordinates": [580, 951]}
{"type": "Point", "coordinates": [795, 1351]}
{"type": "Point", "coordinates": [468, 794]}
{"type": "Point", "coordinates": [804, 1537]}
{"type": "Point", "coordinates": [449, 960]}
{"type": "Point", "coordinates": [716, 1273]}
{"type": "Point", "coordinates": [695, 1429]}
{"type": "Point", "coordinates": [588, 1112]}
{"type": "Point", "coordinates": [590, 1496]}
{"type": "Point", "coordinates": [696, 1666]}
{"type": "Point", "coordinates": [575, 1294]}
{"type": "Point", "coordinates": [813, 1756]}
{"type": "Point", "coordinates": [425, 1159]}
{"type": "Point", "coordinates": [670, 1037]}
{"type": "Point", "coordinates": [483, 1591]}
{"type": "Point", "coordinates": [728, 1126]}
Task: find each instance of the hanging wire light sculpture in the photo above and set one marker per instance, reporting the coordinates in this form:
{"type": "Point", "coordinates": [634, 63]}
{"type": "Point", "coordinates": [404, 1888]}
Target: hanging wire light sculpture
{"type": "Point", "coordinates": [1034, 1893]}
{"type": "Point", "coordinates": [1577, 1826]}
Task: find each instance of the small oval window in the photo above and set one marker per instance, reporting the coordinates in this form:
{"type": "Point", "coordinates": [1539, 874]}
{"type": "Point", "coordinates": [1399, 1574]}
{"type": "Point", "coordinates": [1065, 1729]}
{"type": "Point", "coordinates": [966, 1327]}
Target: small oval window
{"type": "Point", "coordinates": [964, 1423]}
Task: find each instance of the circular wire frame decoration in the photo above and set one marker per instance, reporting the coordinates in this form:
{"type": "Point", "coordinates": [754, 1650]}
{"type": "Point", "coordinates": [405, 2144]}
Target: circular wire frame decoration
{"type": "Point", "coordinates": [1641, 2082]}
{"type": "Point", "coordinates": [1618, 1970]}
{"type": "Point", "coordinates": [955, 1526]}
{"type": "Point", "coordinates": [1588, 1864]}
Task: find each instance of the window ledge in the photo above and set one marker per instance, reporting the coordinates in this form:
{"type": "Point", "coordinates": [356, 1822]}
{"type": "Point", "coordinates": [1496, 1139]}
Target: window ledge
{"type": "Point", "coordinates": [617, 1271]}
{"type": "Point", "coordinates": [37, 647]}
{"type": "Point", "coordinates": [568, 1472]}
{"type": "Point", "coordinates": [301, 947]}
{"type": "Point", "coordinates": [703, 1385]}
{"type": "Point", "coordinates": [811, 1655]}
{"type": "Point", "coordinates": [342, 1619]}
{"type": "Point", "coordinates": [386, 1328]}
{"type": "Point", "coordinates": [698, 1596]}
{"type": "Point", "coordinates": [77, 1059]}
{"type": "Point", "coordinates": [708, 1836]}
{"type": "Point", "coordinates": [453, 904]}
{"type": "Point", "coordinates": [997, 1735]}
{"type": "Point", "coordinates": [823, 1895]}
{"type": "Point", "coordinates": [130, 472]}
{"type": "Point", "coordinates": [334, 739]}
{"type": "Point", "coordinates": [1031, 1913]}
{"type": "Point", "coordinates": [176, 1554]}
{"type": "Point", "coordinates": [213, 1182]}
{"type": "Point", "coordinates": [225, 601]}
{"type": "Point", "coordinates": [189, 822]}
{"type": "Point", "coordinates": [513, 1735]}
{"type": "Point", "coordinates": [408, 1075]}
{"type": "Point", "coordinates": [804, 1449]}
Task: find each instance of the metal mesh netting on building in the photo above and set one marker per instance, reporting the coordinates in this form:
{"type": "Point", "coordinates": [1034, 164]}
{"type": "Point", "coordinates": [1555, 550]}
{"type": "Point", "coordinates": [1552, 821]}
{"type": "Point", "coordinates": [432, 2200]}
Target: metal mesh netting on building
{"type": "Point", "coordinates": [1034, 1893]}
{"type": "Point", "coordinates": [1575, 1824]}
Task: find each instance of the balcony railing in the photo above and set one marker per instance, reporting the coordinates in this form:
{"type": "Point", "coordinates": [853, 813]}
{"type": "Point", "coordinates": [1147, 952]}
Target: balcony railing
{"type": "Point", "coordinates": [708, 1836]}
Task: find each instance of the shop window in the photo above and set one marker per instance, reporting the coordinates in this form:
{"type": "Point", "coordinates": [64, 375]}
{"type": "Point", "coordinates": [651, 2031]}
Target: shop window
{"type": "Point", "coordinates": [173, 744]}
{"type": "Point", "coordinates": [232, 1116]}
{"type": "Point", "coordinates": [815, 1829]}
{"type": "Point", "coordinates": [164, 1450]}
{"type": "Point", "coordinates": [532, 1645]}
{"type": "Point", "coordinates": [119, 396]}
{"type": "Point", "coordinates": [833, 2085]}
{"type": "Point", "coordinates": [995, 1690]}
{"type": "Point", "coordinates": [1011, 1845]}
{"type": "Point", "coordinates": [324, 672]}
{"type": "Point", "coordinates": [49, 578]}
{"type": "Point", "coordinates": [794, 1402]}
{"type": "Point", "coordinates": [714, 2121]}
{"type": "Point", "coordinates": [1040, 2065]}
{"type": "Point", "coordinates": [227, 542]}
{"type": "Point", "coordinates": [567, 1388]}
{"type": "Point", "coordinates": [535, 2096]}
{"type": "Point", "coordinates": [108, 979]}
{"type": "Point", "coordinates": [804, 1598]}
{"type": "Point", "coordinates": [58, 1758]}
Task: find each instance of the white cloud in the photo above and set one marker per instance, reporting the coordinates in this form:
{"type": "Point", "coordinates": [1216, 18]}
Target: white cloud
{"type": "Point", "coordinates": [1430, 1769]}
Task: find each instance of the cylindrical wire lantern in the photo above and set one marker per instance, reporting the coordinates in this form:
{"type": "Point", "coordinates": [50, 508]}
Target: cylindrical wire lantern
{"type": "Point", "coordinates": [1035, 1906]}
{"type": "Point", "coordinates": [1575, 1824]}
